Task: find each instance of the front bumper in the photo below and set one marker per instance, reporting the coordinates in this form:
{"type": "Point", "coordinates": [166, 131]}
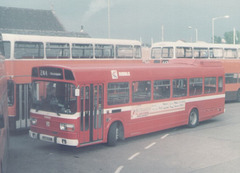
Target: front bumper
{"type": "Point", "coordinates": [53, 139]}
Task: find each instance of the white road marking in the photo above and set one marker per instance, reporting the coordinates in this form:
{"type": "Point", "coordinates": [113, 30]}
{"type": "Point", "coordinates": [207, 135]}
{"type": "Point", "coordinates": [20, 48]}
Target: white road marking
{"type": "Point", "coordinates": [134, 155]}
{"type": "Point", "coordinates": [164, 136]}
{"type": "Point", "coordinates": [118, 170]}
{"type": "Point", "coordinates": [149, 146]}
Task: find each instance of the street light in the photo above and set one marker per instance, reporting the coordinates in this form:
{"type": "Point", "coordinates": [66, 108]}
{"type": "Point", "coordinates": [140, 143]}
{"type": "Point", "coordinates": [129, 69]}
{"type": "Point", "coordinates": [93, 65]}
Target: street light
{"type": "Point", "coordinates": [213, 19]}
{"type": "Point", "coordinates": [196, 34]}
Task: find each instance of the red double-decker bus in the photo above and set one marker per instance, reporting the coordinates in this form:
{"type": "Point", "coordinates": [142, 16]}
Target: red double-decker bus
{"type": "Point", "coordinates": [3, 113]}
{"type": "Point", "coordinates": [25, 51]}
{"type": "Point", "coordinates": [79, 105]}
{"type": "Point", "coordinates": [228, 54]}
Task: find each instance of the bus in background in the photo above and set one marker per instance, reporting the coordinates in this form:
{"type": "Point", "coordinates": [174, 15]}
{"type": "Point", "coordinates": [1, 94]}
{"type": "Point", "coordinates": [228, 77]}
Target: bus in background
{"type": "Point", "coordinates": [79, 105]}
{"type": "Point", "coordinates": [3, 113]}
{"type": "Point", "coordinates": [228, 54]}
{"type": "Point", "coordinates": [25, 51]}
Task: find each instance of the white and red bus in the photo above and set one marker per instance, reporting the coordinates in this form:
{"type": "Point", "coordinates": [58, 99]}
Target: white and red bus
{"type": "Point", "coordinates": [3, 113]}
{"type": "Point", "coordinates": [79, 105]}
{"type": "Point", "coordinates": [228, 54]}
{"type": "Point", "coordinates": [25, 51]}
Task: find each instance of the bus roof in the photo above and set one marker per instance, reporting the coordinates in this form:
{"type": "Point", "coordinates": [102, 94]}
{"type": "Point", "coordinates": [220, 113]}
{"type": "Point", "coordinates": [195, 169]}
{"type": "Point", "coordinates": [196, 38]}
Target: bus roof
{"type": "Point", "coordinates": [65, 39]}
{"type": "Point", "coordinates": [140, 71]}
{"type": "Point", "coordinates": [195, 44]}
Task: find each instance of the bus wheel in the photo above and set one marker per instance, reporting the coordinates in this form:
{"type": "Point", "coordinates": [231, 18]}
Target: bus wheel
{"type": "Point", "coordinates": [238, 95]}
{"type": "Point", "coordinates": [193, 118]}
{"type": "Point", "coordinates": [113, 134]}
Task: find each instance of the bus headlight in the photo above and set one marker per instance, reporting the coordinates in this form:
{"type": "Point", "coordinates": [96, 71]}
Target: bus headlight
{"type": "Point", "coordinates": [67, 127]}
{"type": "Point", "coordinates": [33, 121]}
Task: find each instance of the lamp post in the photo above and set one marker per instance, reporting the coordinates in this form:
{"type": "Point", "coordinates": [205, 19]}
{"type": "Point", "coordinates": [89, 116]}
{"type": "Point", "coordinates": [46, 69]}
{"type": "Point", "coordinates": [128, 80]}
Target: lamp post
{"type": "Point", "coordinates": [109, 32]}
{"type": "Point", "coordinates": [196, 34]}
{"type": "Point", "coordinates": [213, 19]}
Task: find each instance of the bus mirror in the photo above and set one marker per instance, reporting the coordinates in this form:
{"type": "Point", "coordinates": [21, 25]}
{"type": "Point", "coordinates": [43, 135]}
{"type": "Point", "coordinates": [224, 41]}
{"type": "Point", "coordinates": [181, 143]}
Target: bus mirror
{"type": "Point", "coordinates": [77, 92]}
{"type": "Point", "coordinates": [1, 121]}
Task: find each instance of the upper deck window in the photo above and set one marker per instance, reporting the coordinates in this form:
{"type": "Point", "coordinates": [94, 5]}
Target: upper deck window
{"type": "Point", "coordinates": [82, 51]}
{"type": "Point", "coordinates": [156, 53]}
{"type": "Point", "coordinates": [104, 51]}
{"type": "Point", "coordinates": [216, 53]}
{"type": "Point", "coordinates": [124, 51]}
{"type": "Point", "coordinates": [167, 52]}
{"type": "Point", "coordinates": [137, 52]}
{"type": "Point", "coordinates": [200, 52]}
{"type": "Point", "coordinates": [6, 46]}
{"type": "Point", "coordinates": [57, 50]}
{"type": "Point", "coordinates": [28, 50]}
{"type": "Point", "coordinates": [230, 53]}
{"type": "Point", "coordinates": [183, 52]}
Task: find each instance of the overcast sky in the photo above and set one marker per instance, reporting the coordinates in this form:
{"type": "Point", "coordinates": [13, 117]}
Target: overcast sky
{"type": "Point", "coordinates": [135, 19]}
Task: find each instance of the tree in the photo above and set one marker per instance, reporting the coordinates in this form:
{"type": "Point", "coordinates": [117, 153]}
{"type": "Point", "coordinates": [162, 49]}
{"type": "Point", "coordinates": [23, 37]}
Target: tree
{"type": "Point", "coordinates": [228, 36]}
{"type": "Point", "coordinates": [217, 39]}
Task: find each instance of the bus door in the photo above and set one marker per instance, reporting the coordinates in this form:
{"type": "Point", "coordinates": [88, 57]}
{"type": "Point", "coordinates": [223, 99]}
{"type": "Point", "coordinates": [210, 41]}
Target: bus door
{"type": "Point", "coordinates": [91, 114]}
{"type": "Point", "coordinates": [22, 106]}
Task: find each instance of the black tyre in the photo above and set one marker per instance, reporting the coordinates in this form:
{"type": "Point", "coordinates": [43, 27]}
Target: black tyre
{"type": "Point", "coordinates": [193, 118]}
{"type": "Point", "coordinates": [113, 134]}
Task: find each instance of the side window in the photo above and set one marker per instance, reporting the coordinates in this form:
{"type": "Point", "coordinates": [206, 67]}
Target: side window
{"type": "Point", "coordinates": [6, 46]}
{"type": "Point", "coordinates": [167, 52]}
{"type": "Point", "coordinates": [104, 51]}
{"type": "Point", "coordinates": [118, 93]}
{"type": "Point", "coordinates": [10, 89]}
{"type": "Point", "coordinates": [137, 52]}
{"type": "Point", "coordinates": [183, 52]}
{"type": "Point", "coordinates": [156, 53]}
{"type": "Point", "coordinates": [179, 87]}
{"type": "Point", "coordinates": [209, 85]}
{"type": "Point", "coordinates": [82, 51]}
{"type": "Point", "coordinates": [220, 84]}
{"type": "Point", "coordinates": [1, 118]}
{"type": "Point", "coordinates": [124, 51]}
{"type": "Point", "coordinates": [231, 78]}
{"type": "Point", "coordinates": [195, 86]}
{"type": "Point", "coordinates": [57, 50]}
{"type": "Point", "coordinates": [141, 91]}
{"type": "Point", "coordinates": [161, 89]}
{"type": "Point", "coordinates": [28, 50]}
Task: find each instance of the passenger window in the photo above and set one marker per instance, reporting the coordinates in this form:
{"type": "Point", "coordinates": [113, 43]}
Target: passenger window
{"type": "Point", "coordinates": [209, 85]}
{"type": "Point", "coordinates": [28, 50]}
{"type": "Point", "coordinates": [104, 51]}
{"type": "Point", "coordinates": [167, 52]}
{"type": "Point", "coordinates": [7, 48]}
{"type": "Point", "coordinates": [57, 50]}
{"type": "Point", "coordinates": [118, 93]}
{"type": "Point", "coordinates": [183, 52]}
{"type": "Point", "coordinates": [179, 87]}
{"type": "Point", "coordinates": [161, 89]}
{"type": "Point", "coordinates": [82, 51]}
{"type": "Point", "coordinates": [195, 86]}
{"type": "Point", "coordinates": [141, 91]}
{"type": "Point", "coordinates": [231, 78]}
{"type": "Point", "coordinates": [156, 53]}
{"type": "Point", "coordinates": [124, 51]}
{"type": "Point", "coordinates": [10, 88]}
{"type": "Point", "coordinates": [220, 84]}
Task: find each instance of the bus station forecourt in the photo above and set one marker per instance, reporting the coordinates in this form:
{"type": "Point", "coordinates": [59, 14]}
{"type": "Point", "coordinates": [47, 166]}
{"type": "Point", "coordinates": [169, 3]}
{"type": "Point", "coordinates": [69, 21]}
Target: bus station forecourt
{"type": "Point", "coordinates": [132, 98]}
